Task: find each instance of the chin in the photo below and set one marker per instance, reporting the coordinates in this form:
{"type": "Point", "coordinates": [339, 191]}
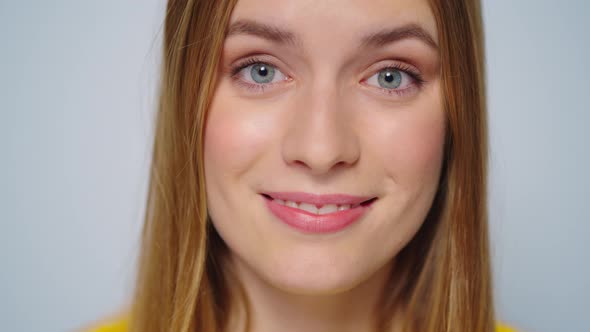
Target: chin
{"type": "Point", "coordinates": [317, 275]}
{"type": "Point", "coordinates": [315, 284]}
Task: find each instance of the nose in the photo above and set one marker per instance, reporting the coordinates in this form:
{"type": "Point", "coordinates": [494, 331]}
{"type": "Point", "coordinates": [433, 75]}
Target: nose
{"type": "Point", "coordinates": [321, 135]}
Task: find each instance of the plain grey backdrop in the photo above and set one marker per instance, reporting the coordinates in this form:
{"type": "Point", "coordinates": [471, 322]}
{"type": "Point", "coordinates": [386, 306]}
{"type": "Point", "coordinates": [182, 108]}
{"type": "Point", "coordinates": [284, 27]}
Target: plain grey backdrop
{"type": "Point", "coordinates": [77, 93]}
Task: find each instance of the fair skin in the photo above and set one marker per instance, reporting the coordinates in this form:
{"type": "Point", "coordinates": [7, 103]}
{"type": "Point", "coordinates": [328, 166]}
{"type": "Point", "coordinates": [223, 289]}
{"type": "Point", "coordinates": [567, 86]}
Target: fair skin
{"type": "Point", "coordinates": [323, 123]}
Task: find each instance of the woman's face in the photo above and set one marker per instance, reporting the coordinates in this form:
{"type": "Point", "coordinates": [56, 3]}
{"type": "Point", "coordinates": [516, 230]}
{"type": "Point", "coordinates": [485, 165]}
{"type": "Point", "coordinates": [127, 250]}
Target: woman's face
{"type": "Point", "coordinates": [317, 99]}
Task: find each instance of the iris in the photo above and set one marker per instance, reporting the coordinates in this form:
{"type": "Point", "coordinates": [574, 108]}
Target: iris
{"type": "Point", "coordinates": [262, 73]}
{"type": "Point", "coordinates": [390, 78]}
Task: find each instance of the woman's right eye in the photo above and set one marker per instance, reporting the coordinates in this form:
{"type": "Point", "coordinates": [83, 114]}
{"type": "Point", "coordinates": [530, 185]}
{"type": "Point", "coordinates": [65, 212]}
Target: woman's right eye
{"type": "Point", "coordinates": [259, 73]}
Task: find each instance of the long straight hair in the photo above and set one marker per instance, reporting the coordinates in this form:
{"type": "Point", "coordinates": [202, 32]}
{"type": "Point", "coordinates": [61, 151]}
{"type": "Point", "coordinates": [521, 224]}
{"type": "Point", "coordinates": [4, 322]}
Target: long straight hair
{"type": "Point", "coordinates": [442, 279]}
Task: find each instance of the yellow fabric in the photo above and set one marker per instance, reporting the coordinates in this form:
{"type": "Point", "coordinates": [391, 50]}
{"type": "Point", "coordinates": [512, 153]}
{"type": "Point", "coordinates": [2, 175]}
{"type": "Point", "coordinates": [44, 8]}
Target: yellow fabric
{"type": "Point", "coordinates": [117, 326]}
{"type": "Point", "coordinates": [504, 328]}
{"type": "Point", "coordinates": [121, 326]}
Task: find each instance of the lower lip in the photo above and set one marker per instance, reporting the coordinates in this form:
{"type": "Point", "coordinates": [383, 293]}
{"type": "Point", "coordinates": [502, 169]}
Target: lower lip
{"type": "Point", "coordinates": [313, 223]}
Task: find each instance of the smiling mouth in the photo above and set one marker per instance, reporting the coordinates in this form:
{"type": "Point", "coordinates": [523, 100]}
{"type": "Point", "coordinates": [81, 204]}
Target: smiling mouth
{"type": "Point", "coordinates": [317, 214]}
{"type": "Point", "coordinates": [319, 205]}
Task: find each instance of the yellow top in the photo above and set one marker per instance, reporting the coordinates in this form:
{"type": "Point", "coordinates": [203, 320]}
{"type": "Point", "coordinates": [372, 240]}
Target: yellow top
{"type": "Point", "coordinates": [116, 326]}
{"type": "Point", "coordinates": [121, 326]}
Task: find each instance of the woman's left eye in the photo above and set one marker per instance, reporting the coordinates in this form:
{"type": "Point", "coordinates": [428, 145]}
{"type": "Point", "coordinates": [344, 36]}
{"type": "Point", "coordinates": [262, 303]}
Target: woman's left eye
{"type": "Point", "coordinates": [392, 79]}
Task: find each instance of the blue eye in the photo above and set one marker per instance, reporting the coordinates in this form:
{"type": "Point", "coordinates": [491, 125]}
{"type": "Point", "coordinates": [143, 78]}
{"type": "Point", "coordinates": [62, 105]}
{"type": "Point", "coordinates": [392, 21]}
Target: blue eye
{"type": "Point", "coordinates": [262, 73]}
{"type": "Point", "coordinates": [258, 73]}
{"type": "Point", "coordinates": [392, 79]}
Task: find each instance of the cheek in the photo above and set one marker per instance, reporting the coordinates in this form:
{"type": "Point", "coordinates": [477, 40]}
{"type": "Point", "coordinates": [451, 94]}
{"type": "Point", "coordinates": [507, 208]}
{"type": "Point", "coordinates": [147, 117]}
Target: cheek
{"type": "Point", "coordinates": [409, 145]}
{"type": "Point", "coordinates": [231, 143]}
{"type": "Point", "coordinates": [416, 148]}
{"type": "Point", "coordinates": [236, 135]}
{"type": "Point", "coordinates": [406, 148]}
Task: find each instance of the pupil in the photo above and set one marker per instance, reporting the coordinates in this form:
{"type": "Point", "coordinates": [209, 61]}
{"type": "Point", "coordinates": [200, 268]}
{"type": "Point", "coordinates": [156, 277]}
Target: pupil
{"type": "Point", "coordinates": [389, 77]}
{"type": "Point", "coordinates": [263, 71]}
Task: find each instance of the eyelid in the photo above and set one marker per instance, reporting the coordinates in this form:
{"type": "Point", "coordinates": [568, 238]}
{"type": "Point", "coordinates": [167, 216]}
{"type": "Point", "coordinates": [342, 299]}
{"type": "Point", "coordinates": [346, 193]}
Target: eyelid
{"type": "Point", "coordinates": [276, 69]}
{"type": "Point", "coordinates": [410, 71]}
{"type": "Point", "coordinates": [401, 66]}
{"type": "Point", "coordinates": [236, 69]}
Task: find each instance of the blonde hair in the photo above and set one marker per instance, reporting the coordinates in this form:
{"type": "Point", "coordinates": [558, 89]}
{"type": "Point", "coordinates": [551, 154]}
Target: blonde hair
{"type": "Point", "coordinates": [442, 280]}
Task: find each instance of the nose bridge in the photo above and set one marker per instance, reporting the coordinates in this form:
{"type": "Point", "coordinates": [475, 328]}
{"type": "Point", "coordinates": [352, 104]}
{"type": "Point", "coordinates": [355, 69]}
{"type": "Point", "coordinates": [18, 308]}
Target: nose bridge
{"type": "Point", "coordinates": [320, 135]}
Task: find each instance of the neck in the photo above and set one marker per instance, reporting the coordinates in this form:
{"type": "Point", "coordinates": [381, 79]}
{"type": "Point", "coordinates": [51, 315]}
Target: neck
{"type": "Point", "coordinates": [272, 309]}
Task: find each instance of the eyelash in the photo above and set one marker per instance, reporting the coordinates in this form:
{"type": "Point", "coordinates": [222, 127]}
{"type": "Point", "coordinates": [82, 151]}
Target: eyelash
{"type": "Point", "coordinates": [246, 63]}
{"type": "Point", "coordinates": [418, 80]}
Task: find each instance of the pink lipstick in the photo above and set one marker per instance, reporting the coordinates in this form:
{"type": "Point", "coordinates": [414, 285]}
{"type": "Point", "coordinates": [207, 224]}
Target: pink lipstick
{"type": "Point", "coordinates": [332, 212]}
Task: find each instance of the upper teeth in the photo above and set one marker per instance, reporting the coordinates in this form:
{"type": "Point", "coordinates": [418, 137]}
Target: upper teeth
{"type": "Point", "coordinates": [325, 209]}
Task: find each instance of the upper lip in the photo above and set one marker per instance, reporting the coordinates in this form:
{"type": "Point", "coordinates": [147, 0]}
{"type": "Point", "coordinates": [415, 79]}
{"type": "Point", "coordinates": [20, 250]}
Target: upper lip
{"type": "Point", "coordinates": [317, 199]}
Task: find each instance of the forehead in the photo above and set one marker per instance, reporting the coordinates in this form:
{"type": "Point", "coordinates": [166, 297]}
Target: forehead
{"type": "Point", "coordinates": [341, 21]}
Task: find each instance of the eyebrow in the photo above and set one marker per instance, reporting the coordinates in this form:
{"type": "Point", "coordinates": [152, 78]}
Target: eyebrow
{"type": "Point", "coordinates": [409, 31]}
{"type": "Point", "coordinates": [262, 30]}
{"type": "Point", "coordinates": [285, 37]}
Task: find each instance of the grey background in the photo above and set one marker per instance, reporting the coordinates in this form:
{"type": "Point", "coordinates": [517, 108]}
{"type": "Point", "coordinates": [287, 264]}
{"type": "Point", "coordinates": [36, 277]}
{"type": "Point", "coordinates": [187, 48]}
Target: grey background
{"type": "Point", "coordinates": [77, 82]}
